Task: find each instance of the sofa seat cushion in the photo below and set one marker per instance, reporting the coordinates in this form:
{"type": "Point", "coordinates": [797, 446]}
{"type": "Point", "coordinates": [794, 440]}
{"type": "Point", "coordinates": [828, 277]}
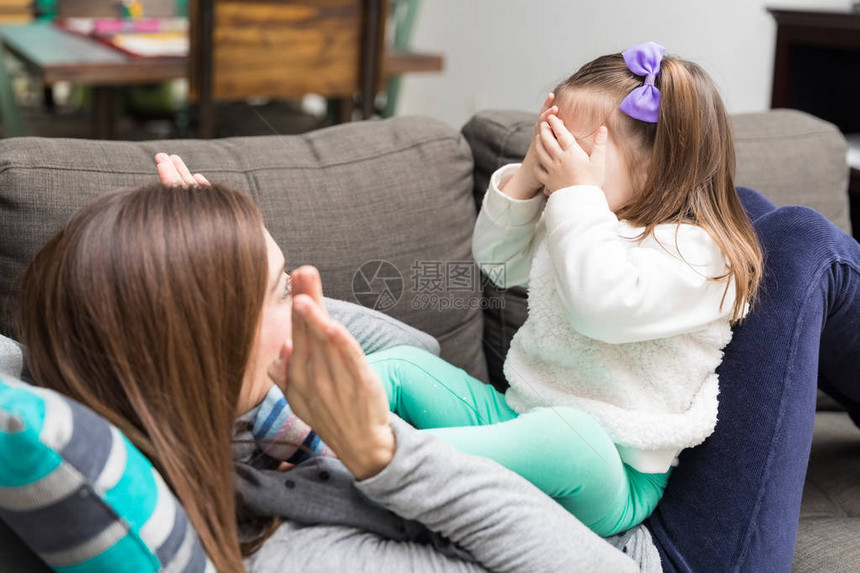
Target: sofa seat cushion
{"type": "Point", "coordinates": [382, 208]}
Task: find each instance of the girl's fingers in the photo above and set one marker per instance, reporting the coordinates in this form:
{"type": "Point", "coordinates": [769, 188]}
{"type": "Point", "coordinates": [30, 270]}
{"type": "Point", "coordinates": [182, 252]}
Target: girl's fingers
{"type": "Point", "coordinates": [542, 175]}
{"type": "Point", "coordinates": [547, 103]}
{"type": "Point", "coordinates": [564, 137]}
{"type": "Point", "coordinates": [543, 156]}
{"type": "Point", "coordinates": [202, 181]}
{"type": "Point", "coordinates": [545, 115]}
{"type": "Point", "coordinates": [550, 144]}
{"type": "Point", "coordinates": [545, 112]}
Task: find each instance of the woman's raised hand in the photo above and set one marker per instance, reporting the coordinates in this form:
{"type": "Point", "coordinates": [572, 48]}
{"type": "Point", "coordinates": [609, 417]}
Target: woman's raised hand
{"type": "Point", "coordinates": [329, 384]}
{"type": "Point", "coordinates": [562, 162]}
{"type": "Point", "coordinates": [172, 171]}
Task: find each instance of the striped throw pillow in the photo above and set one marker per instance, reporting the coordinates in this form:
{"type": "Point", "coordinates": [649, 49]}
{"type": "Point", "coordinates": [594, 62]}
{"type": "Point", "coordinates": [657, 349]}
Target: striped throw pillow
{"type": "Point", "coordinates": [81, 495]}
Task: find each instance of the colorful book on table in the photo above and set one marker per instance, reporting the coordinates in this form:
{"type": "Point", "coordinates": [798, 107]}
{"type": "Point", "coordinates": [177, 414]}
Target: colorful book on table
{"type": "Point", "coordinates": [147, 38]}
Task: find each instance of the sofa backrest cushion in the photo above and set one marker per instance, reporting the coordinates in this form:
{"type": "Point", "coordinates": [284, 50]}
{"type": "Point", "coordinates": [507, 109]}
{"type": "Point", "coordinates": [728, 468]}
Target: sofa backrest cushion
{"type": "Point", "coordinates": [377, 206]}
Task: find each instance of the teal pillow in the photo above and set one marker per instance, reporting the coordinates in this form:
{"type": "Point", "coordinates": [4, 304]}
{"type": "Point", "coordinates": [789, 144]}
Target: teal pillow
{"type": "Point", "coordinates": [80, 495]}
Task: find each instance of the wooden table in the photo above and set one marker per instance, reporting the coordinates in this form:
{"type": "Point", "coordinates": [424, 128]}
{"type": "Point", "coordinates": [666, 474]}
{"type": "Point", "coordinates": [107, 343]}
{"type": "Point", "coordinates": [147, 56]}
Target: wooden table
{"type": "Point", "coordinates": [55, 56]}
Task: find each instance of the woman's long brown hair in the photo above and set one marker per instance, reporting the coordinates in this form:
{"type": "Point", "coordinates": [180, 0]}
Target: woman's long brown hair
{"type": "Point", "coordinates": [688, 158]}
{"type": "Point", "coordinates": [145, 307]}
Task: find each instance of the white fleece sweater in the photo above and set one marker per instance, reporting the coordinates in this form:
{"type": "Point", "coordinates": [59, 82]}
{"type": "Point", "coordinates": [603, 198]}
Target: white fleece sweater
{"type": "Point", "coordinates": [629, 331]}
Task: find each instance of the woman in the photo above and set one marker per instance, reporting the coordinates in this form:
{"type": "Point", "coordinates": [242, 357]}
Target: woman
{"type": "Point", "coordinates": [166, 310]}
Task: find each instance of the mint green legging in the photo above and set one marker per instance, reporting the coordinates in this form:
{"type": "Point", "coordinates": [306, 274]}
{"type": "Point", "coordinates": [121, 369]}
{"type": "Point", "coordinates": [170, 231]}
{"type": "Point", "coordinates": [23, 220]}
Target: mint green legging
{"type": "Point", "coordinates": [562, 451]}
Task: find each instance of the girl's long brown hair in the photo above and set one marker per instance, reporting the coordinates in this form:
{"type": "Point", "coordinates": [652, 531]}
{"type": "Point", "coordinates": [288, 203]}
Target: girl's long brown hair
{"type": "Point", "coordinates": [688, 158]}
{"type": "Point", "coordinates": [145, 307]}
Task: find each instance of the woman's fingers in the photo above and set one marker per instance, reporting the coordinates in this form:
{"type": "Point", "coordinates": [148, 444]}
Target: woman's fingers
{"type": "Point", "coordinates": [350, 367]}
{"type": "Point", "coordinates": [341, 374]}
{"type": "Point", "coordinates": [306, 280]}
{"type": "Point", "coordinates": [313, 284]}
{"type": "Point", "coordinates": [183, 170]}
{"type": "Point", "coordinates": [167, 173]}
{"type": "Point", "coordinates": [316, 323]}
{"type": "Point", "coordinates": [352, 356]}
{"type": "Point", "coordinates": [323, 382]}
{"type": "Point", "coordinates": [202, 181]}
{"type": "Point", "coordinates": [298, 359]}
{"type": "Point", "coordinates": [172, 171]}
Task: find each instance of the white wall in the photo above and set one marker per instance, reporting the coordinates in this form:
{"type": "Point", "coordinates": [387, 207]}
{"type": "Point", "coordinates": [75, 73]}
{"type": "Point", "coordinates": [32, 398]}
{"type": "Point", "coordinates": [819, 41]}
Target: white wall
{"type": "Point", "coordinates": [509, 53]}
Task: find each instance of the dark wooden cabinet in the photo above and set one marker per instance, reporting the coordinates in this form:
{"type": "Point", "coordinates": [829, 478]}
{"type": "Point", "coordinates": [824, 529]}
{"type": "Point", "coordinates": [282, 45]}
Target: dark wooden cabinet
{"type": "Point", "coordinates": [817, 70]}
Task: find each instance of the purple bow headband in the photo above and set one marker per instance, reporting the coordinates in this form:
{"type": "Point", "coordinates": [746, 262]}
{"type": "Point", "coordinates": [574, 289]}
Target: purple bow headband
{"type": "Point", "coordinates": [643, 103]}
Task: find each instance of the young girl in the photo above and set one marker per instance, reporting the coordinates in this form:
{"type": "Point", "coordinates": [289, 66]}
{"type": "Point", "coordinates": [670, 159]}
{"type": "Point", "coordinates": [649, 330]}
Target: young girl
{"type": "Point", "coordinates": [624, 223]}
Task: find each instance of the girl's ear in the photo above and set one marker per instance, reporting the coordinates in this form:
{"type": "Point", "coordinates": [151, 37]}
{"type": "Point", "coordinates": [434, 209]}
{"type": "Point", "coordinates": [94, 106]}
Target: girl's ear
{"type": "Point", "coordinates": [643, 171]}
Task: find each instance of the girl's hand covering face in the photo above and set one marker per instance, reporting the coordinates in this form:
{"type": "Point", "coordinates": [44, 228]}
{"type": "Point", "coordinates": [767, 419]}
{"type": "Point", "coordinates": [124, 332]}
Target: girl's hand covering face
{"type": "Point", "coordinates": [562, 162]}
{"type": "Point", "coordinates": [329, 384]}
{"type": "Point", "coordinates": [172, 171]}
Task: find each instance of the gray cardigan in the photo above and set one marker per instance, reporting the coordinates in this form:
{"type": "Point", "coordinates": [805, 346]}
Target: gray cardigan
{"type": "Point", "coordinates": [502, 520]}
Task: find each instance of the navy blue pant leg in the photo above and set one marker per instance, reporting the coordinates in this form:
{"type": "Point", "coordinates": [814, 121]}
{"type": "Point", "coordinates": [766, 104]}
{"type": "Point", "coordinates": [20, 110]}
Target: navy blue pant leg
{"type": "Point", "coordinates": [733, 503]}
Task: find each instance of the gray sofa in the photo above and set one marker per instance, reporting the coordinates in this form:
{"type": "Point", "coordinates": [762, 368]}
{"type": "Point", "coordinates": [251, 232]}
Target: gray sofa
{"type": "Point", "coordinates": [387, 208]}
